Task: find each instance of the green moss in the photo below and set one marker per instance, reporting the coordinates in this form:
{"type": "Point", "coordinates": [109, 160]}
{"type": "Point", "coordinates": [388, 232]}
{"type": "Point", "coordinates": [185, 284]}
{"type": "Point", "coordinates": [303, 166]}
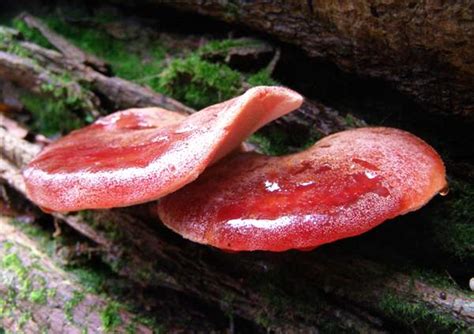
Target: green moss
{"type": "Point", "coordinates": [112, 231]}
{"type": "Point", "coordinates": [51, 293]}
{"type": "Point", "coordinates": [8, 43]}
{"type": "Point", "coordinates": [263, 320]}
{"type": "Point", "coordinates": [453, 220]}
{"type": "Point", "coordinates": [271, 141]}
{"type": "Point", "coordinates": [232, 10]}
{"type": "Point", "coordinates": [275, 140]}
{"type": "Point", "coordinates": [38, 296]}
{"type": "Point", "coordinates": [7, 245]}
{"type": "Point", "coordinates": [110, 317]}
{"type": "Point", "coordinates": [280, 296]}
{"type": "Point", "coordinates": [123, 56]}
{"type": "Point", "coordinates": [350, 120]}
{"type": "Point", "coordinates": [268, 145]}
{"type": "Point", "coordinates": [92, 280]}
{"type": "Point", "coordinates": [52, 116]}
{"type": "Point", "coordinates": [72, 303]}
{"type": "Point", "coordinates": [12, 262]}
{"type": "Point", "coordinates": [59, 112]}
{"type": "Point", "coordinates": [42, 237]}
{"type": "Point", "coordinates": [32, 35]}
{"type": "Point", "coordinates": [25, 288]}
{"type": "Point", "coordinates": [131, 328]}
{"type": "Point", "coordinates": [440, 280]}
{"type": "Point", "coordinates": [23, 319]}
{"type": "Point", "coordinates": [22, 289]}
{"type": "Point", "coordinates": [223, 46]}
{"type": "Point", "coordinates": [199, 83]}
{"type": "Point", "coordinates": [418, 315]}
{"type": "Point", "coordinates": [261, 78]}
{"type": "Point", "coordinates": [7, 304]}
{"type": "Point", "coordinates": [192, 80]}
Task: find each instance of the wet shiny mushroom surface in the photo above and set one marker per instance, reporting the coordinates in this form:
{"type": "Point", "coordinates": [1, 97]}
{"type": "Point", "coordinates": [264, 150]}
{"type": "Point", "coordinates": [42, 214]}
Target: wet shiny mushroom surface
{"type": "Point", "coordinates": [344, 185]}
{"type": "Point", "coordinates": [139, 155]}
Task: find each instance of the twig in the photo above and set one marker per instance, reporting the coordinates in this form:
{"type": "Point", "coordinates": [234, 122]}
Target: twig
{"type": "Point", "coordinates": [65, 47]}
{"type": "Point", "coordinates": [272, 64]}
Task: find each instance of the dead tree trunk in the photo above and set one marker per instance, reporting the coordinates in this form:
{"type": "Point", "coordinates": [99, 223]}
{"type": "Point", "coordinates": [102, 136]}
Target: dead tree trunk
{"type": "Point", "coordinates": [290, 291]}
{"type": "Point", "coordinates": [279, 291]}
{"type": "Point", "coordinates": [30, 73]}
{"type": "Point", "coordinates": [37, 296]}
{"type": "Point", "coordinates": [424, 49]}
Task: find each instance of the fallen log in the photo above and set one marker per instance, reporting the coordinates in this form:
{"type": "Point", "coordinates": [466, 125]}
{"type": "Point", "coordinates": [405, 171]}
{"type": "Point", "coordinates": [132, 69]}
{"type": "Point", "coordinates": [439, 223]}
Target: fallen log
{"type": "Point", "coordinates": [321, 288]}
{"type": "Point", "coordinates": [118, 93]}
{"type": "Point", "coordinates": [38, 296]}
{"type": "Point", "coordinates": [123, 94]}
{"type": "Point", "coordinates": [389, 40]}
{"type": "Point", "coordinates": [67, 49]}
{"type": "Point", "coordinates": [278, 291]}
{"type": "Point", "coordinates": [134, 250]}
{"type": "Point", "coordinates": [25, 73]}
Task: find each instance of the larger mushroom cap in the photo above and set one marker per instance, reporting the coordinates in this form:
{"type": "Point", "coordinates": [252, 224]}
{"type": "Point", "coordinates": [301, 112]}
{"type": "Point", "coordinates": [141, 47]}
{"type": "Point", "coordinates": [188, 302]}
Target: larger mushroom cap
{"type": "Point", "coordinates": [139, 155]}
{"type": "Point", "coordinates": [344, 185]}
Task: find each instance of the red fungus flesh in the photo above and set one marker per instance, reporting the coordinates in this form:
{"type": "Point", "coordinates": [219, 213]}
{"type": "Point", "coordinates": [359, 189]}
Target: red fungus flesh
{"type": "Point", "coordinates": [344, 185]}
{"type": "Point", "coordinates": [139, 155]}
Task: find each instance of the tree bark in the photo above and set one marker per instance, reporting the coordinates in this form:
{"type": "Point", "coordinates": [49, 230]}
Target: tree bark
{"type": "Point", "coordinates": [38, 296]}
{"type": "Point", "coordinates": [278, 291]}
{"type": "Point", "coordinates": [313, 116]}
{"type": "Point", "coordinates": [25, 73]}
{"type": "Point", "coordinates": [69, 50]}
{"type": "Point", "coordinates": [424, 49]}
{"type": "Point", "coordinates": [123, 94]}
{"type": "Point", "coordinates": [288, 291]}
{"type": "Point", "coordinates": [31, 73]}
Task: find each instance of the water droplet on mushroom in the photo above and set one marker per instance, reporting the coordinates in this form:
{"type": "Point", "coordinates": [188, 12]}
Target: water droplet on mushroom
{"type": "Point", "coordinates": [444, 191]}
{"type": "Point", "coordinates": [272, 186]}
{"type": "Point", "coordinates": [305, 183]}
{"type": "Point", "coordinates": [161, 138]}
{"type": "Point", "coordinates": [184, 129]}
{"type": "Point", "coordinates": [370, 175]}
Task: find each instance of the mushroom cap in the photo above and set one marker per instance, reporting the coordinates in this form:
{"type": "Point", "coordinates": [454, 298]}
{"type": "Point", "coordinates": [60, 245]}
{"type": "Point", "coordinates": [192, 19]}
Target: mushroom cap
{"type": "Point", "coordinates": [344, 185]}
{"type": "Point", "coordinates": [139, 155]}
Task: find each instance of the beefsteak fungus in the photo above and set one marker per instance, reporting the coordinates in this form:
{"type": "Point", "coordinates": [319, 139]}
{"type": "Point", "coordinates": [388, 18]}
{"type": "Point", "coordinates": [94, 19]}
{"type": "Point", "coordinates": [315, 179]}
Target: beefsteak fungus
{"type": "Point", "coordinates": [344, 185]}
{"type": "Point", "coordinates": [139, 155]}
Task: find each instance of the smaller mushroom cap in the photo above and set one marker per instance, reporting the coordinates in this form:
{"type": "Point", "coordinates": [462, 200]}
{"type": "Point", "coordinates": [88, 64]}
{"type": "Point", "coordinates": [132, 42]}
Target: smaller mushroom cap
{"type": "Point", "coordinates": [344, 185]}
{"type": "Point", "coordinates": [140, 155]}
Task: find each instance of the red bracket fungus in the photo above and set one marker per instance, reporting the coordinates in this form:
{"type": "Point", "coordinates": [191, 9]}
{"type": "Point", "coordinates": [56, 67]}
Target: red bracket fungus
{"type": "Point", "coordinates": [344, 185]}
{"type": "Point", "coordinates": [139, 155]}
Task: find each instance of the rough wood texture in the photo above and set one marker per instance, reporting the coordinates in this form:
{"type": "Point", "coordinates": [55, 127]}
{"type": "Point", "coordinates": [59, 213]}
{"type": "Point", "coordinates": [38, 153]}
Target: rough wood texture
{"type": "Point", "coordinates": [425, 48]}
{"type": "Point", "coordinates": [32, 73]}
{"type": "Point", "coordinates": [69, 50]}
{"type": "Point", "coordinates": [136, 251]}
{"type": "Point", "coordinates": [35, 293]}
{"type": "Point", "coordinates": [280, 291]}
{"type": "Point", "coordinates": [290, 291]}
{"type": "Point", "coordinates": [26, 73]}
{"type": "Point", "coordinates": [122, 94]}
